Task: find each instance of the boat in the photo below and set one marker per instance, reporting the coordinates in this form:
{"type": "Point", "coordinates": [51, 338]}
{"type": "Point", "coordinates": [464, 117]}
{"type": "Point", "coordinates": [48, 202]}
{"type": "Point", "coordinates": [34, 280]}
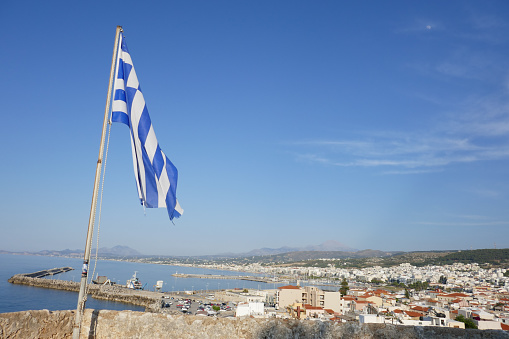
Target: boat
{"type": "Point", "coordinates": [134, 283]}
{"type": "Point", "coordinates": [102, 280]}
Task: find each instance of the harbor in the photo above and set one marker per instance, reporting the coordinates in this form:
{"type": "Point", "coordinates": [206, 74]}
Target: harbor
{"type": "Point", "coordinates": [229, 277]}
{"type": "Point", "coordinates": [130, 293]}
{"type": "Point", "coordinates": [148, 299]}
{"type": "Point", "coordinates": [52, 296]}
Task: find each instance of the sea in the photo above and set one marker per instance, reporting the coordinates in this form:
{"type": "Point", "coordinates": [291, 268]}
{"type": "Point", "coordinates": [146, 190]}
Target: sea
{"type": "Point", "coordinates": [14, 298]}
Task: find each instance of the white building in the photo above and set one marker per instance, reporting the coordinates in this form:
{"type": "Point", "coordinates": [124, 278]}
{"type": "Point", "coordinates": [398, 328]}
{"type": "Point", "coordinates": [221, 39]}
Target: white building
{"type": "Point", "coordinates": [248, 309]}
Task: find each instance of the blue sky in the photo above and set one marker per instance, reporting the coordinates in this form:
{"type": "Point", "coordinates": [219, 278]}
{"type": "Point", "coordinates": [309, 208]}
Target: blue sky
{"type": "Point", "coordinates": [378, 125]}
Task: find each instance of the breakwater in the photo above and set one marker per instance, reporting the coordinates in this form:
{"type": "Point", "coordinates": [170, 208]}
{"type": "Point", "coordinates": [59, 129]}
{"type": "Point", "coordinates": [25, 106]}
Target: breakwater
{"type": "Point", "coordinates": [149, 300]}
{"type": "Point", "coordinates": [45, 273]}
{"type": "Point", "coordinates": [129, 324]}
{"type": "Point", "coordinates": [218, 276]}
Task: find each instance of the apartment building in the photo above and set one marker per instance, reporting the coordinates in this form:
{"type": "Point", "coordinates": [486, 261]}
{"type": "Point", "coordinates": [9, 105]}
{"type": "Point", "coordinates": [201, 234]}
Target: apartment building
{"type": "Point", "coordinates": [313, 296]}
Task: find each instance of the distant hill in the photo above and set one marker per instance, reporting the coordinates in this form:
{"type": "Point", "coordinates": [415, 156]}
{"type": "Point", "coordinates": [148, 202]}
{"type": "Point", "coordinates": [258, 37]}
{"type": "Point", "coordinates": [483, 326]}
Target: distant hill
{"type": "Point", "coordinates": [114, 252]}
{"type": "Point", "coordinates": [330, 245]}
{"type": "Point", "coordinates": [119, 251]}
{"type": "Point", "coordinates": [369, 258]}
{"type": "Point", "coordinates": [495, 257]}
{"type": "Point", "coordinates": [300, 256]}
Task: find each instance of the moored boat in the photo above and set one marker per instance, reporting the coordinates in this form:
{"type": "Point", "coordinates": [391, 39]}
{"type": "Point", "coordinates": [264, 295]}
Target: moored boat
{"type": "Point", "coordinates": [134, 283]}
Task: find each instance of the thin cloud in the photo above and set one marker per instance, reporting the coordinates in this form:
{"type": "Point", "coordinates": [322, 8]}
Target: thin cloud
{"type": "Point", "coordinates": [471, 216]}
{"type": "Point", "coordinates": [410, 172]}
{"type": "Point", "coordinates": [477, 132]}
{"type": "Point", "coordinates": [486, 117]}
{"type": "Point", "coordinates": [463, 224]}
{"type": "Point", "coordinates": [312, 158]}
{"type": "Point", "coordinates": [486, 193]}
{"type": "Point", "coordinates": [400, 152]}
{"type": "Point", "coordinates": [465, 220]}
{"type": "Point", "coordinates": [419, 26]}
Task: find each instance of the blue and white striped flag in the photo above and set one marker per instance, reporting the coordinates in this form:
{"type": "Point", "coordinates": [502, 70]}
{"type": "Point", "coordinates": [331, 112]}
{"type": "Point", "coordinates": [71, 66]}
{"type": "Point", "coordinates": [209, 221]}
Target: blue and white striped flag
{"type": "Point", "coordinates": [156, 177]}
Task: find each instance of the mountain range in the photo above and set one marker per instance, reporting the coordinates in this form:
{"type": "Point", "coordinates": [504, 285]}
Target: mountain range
{"type": "Point", "coordinates": [330, 245]}
{"type": "Point", "coordinates": [117, 251]}
{"type": "Point", "coordinates": [125, 251]}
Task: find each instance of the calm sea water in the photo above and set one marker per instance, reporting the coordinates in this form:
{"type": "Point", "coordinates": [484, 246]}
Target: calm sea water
{"type": "Point", "coordinates": [15, 298]}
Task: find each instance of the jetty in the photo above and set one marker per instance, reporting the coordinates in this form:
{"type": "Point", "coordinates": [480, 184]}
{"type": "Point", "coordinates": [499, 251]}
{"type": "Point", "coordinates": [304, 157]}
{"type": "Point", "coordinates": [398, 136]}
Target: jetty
{"type": "Point", "coordinates": [150, 300]}
{"type": "Point", "coordinates": [218, 276]}
{"type": "Point", "coordinates": [45, 273]}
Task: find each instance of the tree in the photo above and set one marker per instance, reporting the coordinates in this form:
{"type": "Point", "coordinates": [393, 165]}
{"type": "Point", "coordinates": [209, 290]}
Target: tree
{"type": "Point", "coordinates": [407, 294]}
{"type": "Point", "coordinates": [419, 285]}
{"type": "Point", "coordinates": [469, 323]}
{"type": "Point", "coordinates": [344, 287]}
{"type": "Point", "coordinates": [498, 305]}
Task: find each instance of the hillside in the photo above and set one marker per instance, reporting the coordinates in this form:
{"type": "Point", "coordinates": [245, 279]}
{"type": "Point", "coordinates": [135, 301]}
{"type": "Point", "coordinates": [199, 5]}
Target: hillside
{"type": "Point", "coordinates": [494, 257]}
{"type": "Point", "coordinates": [367, 258]}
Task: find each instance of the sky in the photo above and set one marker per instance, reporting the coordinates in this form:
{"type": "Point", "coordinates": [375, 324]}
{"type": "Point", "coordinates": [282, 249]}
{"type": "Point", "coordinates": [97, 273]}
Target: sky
{"type": "Point", "coordinates": [380, 125]}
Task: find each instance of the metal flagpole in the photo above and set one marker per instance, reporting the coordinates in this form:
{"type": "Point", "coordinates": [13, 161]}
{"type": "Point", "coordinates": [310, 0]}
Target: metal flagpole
{"type": "Point", "coordinates": [91, 220]}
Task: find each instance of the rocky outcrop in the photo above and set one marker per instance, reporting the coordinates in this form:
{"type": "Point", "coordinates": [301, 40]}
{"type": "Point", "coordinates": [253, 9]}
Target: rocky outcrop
{"type": "Point", "coordinates": [37, 324]}
{"type": "Point", "coordinates": [129, 324]}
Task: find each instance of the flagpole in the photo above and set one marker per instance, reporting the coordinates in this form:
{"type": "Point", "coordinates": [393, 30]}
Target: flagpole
{"type": "Point", "coordinates": [91, 220]}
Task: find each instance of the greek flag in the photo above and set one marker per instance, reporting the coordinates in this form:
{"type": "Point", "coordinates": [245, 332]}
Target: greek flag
{"type": "Point", "coordinates": [156, 177]}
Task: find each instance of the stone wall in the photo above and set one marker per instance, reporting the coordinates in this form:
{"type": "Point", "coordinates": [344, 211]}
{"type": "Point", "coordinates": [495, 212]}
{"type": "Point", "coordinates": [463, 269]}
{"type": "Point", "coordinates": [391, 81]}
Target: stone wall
{"type": "Point", "coordinates": [129, 324]}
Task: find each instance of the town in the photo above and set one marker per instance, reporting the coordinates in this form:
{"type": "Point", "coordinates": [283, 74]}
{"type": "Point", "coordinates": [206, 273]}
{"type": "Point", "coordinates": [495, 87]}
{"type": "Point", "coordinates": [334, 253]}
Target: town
{"type": "Point", "coordinates": [458, 295]}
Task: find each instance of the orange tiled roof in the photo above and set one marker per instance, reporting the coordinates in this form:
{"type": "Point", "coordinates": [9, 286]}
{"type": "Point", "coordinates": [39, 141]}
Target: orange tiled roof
{"type": "Point", "coordinates": [420, 308]}
{"type": "Point", "coordinates": [413, 314]}
{"type": "Point", "coordinates": [459, 295]}
{"type": "Point", "coordinates": [289, 287]}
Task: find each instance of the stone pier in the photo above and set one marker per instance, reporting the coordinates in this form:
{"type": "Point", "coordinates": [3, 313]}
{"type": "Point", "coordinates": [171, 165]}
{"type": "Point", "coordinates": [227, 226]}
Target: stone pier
{"type": "Point", "coordinates": [148, 299]}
